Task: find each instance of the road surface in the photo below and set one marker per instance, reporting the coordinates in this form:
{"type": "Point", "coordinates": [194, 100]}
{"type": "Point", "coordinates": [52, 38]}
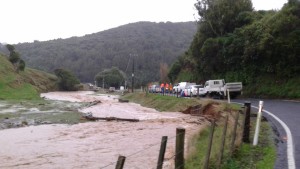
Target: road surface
{"type": "Point", "coordinates": [289, 113]}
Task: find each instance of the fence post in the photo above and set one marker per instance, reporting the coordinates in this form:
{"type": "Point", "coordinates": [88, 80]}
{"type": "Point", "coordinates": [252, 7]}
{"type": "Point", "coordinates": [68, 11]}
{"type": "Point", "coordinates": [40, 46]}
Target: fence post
{"type": "Point", "coordinates": [228, 95]}
{"type": "Point", "coordinates": [120, 162]}
{"type": "Point", "coordinates": [162, 151]}
{"type": "Point", "coordinates": [179, 150]}
{"type": "Point", "coordinates": [223, 142]}
{"type": "Point", "coordinates": [255, 139]}
{"type": "Point", "coordinates": [211, 135]}
{"type": "Point", "coordinates": [236, 120]}
{"type": "Point", "coordinates": [246, 133]}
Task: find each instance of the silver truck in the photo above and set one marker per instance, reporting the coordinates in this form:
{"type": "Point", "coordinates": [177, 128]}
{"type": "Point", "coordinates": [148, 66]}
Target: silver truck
{"type": "Point", "coordinates": [220, 88]}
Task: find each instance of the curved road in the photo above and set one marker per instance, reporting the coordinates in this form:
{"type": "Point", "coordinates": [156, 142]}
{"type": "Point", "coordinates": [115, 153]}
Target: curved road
{"type": "Point", "coordinates": [289, 113]}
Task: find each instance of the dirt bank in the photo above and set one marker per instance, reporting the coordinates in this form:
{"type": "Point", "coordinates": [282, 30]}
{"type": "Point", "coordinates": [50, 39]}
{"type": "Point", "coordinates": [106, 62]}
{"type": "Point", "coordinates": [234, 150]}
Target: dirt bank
{"type": "Point", "coordinates": [95, 144]}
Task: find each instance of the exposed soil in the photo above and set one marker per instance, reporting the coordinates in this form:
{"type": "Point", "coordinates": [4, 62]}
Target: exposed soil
{"type": "Point", "coordinates": [97, 144]}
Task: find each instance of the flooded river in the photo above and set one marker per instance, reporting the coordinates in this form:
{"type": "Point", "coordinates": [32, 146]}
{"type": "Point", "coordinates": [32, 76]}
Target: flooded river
{"type": "Point", "coordinates": [95, 144]}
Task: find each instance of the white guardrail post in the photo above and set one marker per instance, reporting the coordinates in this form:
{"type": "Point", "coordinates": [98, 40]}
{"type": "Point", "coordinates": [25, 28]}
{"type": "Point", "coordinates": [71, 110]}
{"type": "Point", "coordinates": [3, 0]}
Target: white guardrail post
{"type": "Point", "coordinates": [228, 95]}
{"type": "Point", "coordinates": [255, 139]}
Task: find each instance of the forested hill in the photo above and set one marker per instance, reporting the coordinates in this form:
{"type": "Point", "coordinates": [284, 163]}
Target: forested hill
{"type": "Point", "coordinates": [149, 43]}
{"type": "Point", "coordinates": [236, 43]}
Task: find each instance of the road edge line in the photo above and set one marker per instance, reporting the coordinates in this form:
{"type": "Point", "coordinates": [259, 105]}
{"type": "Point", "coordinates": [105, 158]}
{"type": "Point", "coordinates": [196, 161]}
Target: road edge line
{"type": "Point", "coordinates": [290, 146]}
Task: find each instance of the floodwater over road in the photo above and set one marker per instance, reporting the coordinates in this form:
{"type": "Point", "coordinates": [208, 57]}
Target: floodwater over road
{"type": "Point", "coordinates": [96, 144]}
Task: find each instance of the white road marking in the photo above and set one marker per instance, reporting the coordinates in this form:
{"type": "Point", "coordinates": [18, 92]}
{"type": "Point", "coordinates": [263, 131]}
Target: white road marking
{"type": "Point", "coordinates": [290, 145]}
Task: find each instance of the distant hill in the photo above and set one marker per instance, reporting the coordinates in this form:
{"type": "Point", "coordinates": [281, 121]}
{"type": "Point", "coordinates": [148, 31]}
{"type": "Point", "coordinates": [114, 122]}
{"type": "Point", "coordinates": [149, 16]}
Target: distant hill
{"type": "Point", "coordinates": [23, 85]}
{"type": "Point", "coordinates": [152, 43]}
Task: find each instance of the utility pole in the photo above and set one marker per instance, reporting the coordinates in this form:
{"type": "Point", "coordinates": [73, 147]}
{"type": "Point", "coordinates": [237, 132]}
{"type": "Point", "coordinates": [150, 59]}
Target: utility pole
{"type": "Point", "coordinates": [103, 83]}
{"type": "Point", "coordinates": [132, 85]}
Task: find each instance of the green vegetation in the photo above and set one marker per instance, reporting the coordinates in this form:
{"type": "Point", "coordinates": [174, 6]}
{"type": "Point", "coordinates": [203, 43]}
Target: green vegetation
{"type": "Point", "coordinates": [16, 113]}
{"type": "Point", "coordinates": [23, 85]}
{"type": "Point", "coordinates": [245, 156]}
{"type": "Point", "coordinates": [66, 80]}
{"type": "Point", "coordinates": [162, 103]}
{"type": "Point", "coordinates": [235, 43]}
{"type": "Point", "coordinates": [262, 156]}
{"type": "Point", "coordinates": [14, 58]}
{"type": "Point", "coordinates": [111, 78]}
{"type": "Point", "coordinates": [149, 43]}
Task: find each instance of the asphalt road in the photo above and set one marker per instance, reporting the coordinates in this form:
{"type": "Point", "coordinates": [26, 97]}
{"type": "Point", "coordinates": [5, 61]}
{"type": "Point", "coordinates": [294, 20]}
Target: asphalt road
{"type": "Point", "coordinates": [289, 113]}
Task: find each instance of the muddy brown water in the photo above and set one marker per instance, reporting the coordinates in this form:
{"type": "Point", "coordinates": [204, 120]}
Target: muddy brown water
{"type": "Point", "coordinates": [96, 144]}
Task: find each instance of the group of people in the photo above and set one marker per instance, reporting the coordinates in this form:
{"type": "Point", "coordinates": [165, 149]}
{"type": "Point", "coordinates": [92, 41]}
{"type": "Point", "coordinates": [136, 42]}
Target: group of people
{"type": "Point", "coordinates": [166, 88]}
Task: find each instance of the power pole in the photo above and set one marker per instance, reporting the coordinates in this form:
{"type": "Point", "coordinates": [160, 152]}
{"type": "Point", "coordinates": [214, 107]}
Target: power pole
{"type": "Point", "coordinates": [132, 85]}
{"type": "Point", "coordinates": [103, 84]}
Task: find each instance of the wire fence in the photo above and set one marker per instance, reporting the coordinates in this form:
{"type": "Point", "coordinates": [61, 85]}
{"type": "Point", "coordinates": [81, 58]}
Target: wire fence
{"type": "Point", "coordinates": [142, 152]}
{"type": "Point", "coordinates": [236, 132]}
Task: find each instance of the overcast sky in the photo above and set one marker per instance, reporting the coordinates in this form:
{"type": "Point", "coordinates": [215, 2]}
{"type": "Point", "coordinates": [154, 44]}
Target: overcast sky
{"type": "Point", "coordinates": [29, 20]}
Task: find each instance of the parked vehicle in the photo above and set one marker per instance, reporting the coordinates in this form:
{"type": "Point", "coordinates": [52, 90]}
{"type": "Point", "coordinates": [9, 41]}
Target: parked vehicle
{"type": "Point", "coordinates": [193, 90]}
{"type": "Point", "coordinates": [157, 89]}
{"type": "Point", "coordinates": [219, 88]}
{"type": "Point", "coordinates": [181, 86]}
{"type": "Point", "coordinates": [112, 89]}
{"type": "Point", "coordinates": [154, 89]}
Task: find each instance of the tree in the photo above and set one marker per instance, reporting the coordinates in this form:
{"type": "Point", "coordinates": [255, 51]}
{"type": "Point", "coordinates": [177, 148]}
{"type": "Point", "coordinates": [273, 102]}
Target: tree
{"type": "Point", "coordinates": [163, 71]}
{"type": "Point", "coordinates": [66, 80]}
{"type": "Point", "coordinates": [14, 58]}
{"type": "Point", "coordinates": [218, 17]}
{"type": "Point", "coordinates": [110, 77]}
{"type": "Point", "coordinates": [21, 65]}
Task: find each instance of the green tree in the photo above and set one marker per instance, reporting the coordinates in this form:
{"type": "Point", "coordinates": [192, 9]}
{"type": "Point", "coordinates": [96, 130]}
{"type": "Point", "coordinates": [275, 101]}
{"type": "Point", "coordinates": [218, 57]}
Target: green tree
{"type": "Point", "coordinates": [111, 77]}
{"type": "Point", "coordinates": [66, 80]}
{"type": "Point", "coordinates": [21, 65]}
{"type": "Point", "coordinates": [14, 58]}
{"type": "Point", "coordinates": [218, 17]}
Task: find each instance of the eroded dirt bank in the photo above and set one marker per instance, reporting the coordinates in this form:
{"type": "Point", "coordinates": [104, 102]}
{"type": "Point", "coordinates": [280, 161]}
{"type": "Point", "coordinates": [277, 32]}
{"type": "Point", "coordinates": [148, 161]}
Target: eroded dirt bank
{"type": "Point", "coordinates": [95, 144]}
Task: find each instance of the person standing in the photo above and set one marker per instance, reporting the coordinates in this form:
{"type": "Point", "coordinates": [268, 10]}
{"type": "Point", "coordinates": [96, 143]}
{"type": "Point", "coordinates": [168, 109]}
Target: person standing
{"type": "Point", "coordinates": [167, 88]}
{"type": "Point", "coordinates": [171, 88]}
{"type": "Point", "coordinates": [162, 87]}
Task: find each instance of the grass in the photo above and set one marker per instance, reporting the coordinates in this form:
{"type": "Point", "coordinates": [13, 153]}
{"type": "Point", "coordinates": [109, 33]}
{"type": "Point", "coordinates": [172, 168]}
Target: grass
{"type": "Point", "coordinates": [163, 103]}
{"type": "Point", "coordinates": [246, 156]}
{"type": "Point", "coordinates": [262, 156]}
{"type": "Point", "coordinates": [24, 84]}
{"type": "Point", "coordinates": [35, 112]}
{"type": "Point", "coordinates": [196, 159]}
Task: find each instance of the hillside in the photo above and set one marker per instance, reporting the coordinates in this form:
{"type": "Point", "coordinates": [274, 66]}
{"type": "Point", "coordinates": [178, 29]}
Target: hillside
{"type": "Point", "coordinates": [259, 48]}
{"type": "Point", "coordinates": [23, 85]}
{"type": "Point", "coordinates": [151, 43]}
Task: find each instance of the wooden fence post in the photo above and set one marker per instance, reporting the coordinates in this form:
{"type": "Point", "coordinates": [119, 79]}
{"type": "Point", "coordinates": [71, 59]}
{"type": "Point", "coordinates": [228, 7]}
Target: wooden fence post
{"type": "Point", "coordinates": [179, 150]}
{"type": "Point", "coordinates": [211, 135]}
{"type": "Point", "coordinates": [223, 143]}
{"type": "Point", "coordinates": [246, 130]}
{"type": "Point", "coordinates": [162, 151]}
{"type": "Point", "coordinates": [120, 162]}
{"type": "Point", "coordinates": [234, 133]}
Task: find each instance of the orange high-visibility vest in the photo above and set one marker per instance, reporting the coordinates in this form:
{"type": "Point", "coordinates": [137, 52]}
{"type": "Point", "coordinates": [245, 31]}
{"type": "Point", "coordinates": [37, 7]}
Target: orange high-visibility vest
{"type": "Point", "coordinates": [167, 85]}
{"type": "Point", "coordinates": [171, 87]}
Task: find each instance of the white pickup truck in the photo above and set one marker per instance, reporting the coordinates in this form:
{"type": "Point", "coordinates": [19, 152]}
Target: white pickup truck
{"type": "Point", "coordinates": [220, 88]}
